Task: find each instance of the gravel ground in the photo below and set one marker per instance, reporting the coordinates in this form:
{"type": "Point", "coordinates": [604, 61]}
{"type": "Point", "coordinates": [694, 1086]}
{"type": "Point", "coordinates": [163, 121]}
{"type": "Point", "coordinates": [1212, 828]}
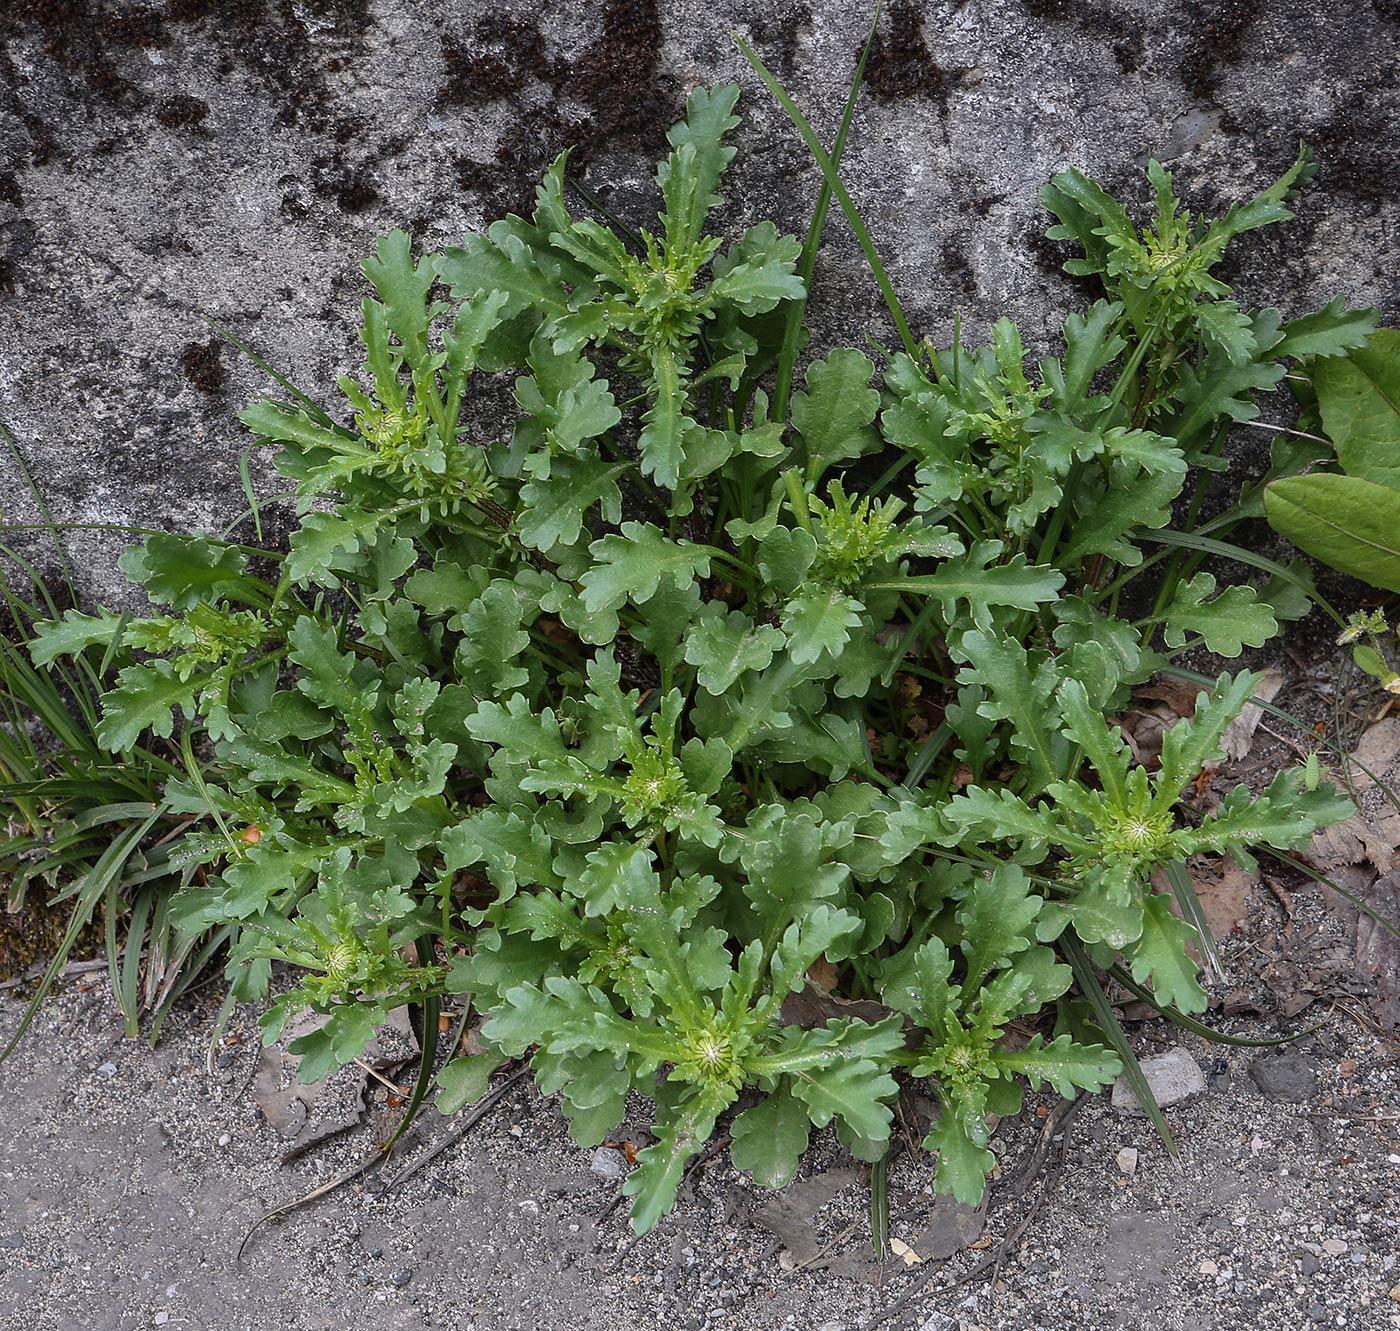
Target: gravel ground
{"type": "Point", "coordinates": [128, 1177]}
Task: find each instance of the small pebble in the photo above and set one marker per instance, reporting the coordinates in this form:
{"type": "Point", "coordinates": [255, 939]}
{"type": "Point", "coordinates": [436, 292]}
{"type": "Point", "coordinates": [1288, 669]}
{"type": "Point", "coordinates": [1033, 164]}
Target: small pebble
{"type": "Point", "coordinates": [608, 1163]}
{"type": "Point", "coordinates": [1172, 1077]}
{"type": "Point", "coordinates": [224, 1139]}
{"type": "Point", "coordinates": [402, 1277]}
{"type": "Point", "coordinates": [162, 1318]}
{"type": "Point", "coordinates": [1127, 1160]}
{"type": "Point", "coordinates": [1208, 1268]}
{"type": "Point", "coordinates": [1334, 1247]}
{"type": "Point", "coordinates": [108, 1069]}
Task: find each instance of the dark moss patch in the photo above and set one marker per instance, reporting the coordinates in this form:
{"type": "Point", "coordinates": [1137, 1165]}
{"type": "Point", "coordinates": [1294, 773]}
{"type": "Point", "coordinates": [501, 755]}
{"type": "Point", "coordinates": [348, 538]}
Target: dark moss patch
{"type": "Point", "coordinates": [353, 188]}
{"type": "Point", "coordinates": [1219, 29]}
{"type": "Point", "coordinates": [203, 365]}
{"type": "Point", "coordinates": [181, 111]}
{"type": "Point", "coordinates": [31, 935]}
{"type": "Point", "coordinates": [504, 54]}
{"type": "Point", "coordinates": [628, 102]}
{"type": "Point", "coordinates": [89, 40]}
{"type": "Point", "coordinates": [961, 275]}
{"type": "Point", "coordinates": [265, 38]}
{"type": "Point", "coordinates": [10, 191]}
{"type": "Point", "coordinates": [777, 35]}
{"type": "Point", "coordinates": [1357, 152]}
{"type": "Point", "coordinates": [902, 66]}
{"type": "Point", "coordinates": [1057, 10]}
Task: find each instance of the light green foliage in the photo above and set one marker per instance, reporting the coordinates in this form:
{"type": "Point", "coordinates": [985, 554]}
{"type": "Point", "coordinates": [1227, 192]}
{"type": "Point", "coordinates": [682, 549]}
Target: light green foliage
{"type": "Point", "coordinates": [642, 709]}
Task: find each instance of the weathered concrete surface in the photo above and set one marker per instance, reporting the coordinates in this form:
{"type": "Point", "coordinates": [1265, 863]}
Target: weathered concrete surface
{"type": "Point", "coordinates": [235, 158]}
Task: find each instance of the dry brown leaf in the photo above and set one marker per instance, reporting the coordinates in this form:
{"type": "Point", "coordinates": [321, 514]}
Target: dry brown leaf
{"type": "Point", "coordinates": [1224, 890]}
{"type": "Point", "coordinates": [1373, 832]}
{"type": "Point", "coordinates": [309, 1113]}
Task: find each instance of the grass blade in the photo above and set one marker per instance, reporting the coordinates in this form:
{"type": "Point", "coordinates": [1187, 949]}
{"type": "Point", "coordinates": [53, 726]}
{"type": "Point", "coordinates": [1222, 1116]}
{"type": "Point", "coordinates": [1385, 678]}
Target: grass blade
{"type": "Point", "coordinates": [848, 207]}
{"type": "Point", "coordinates": [1195, 916]}
{"type": "Point", "coordinates": [1178, 1018]}
{"type": "Point", "coordinates": [1108, 1021]}
{"type": "Point", "coordinates": [792, 332]}
{"type": "Point", "coordinates": [100, 878]}
{"type": "Point", "coordinates": [880, 1206]}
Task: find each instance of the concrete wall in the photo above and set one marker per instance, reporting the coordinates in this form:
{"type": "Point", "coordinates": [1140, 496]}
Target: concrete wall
{"type": "Point", "coordinates": [234, 158]}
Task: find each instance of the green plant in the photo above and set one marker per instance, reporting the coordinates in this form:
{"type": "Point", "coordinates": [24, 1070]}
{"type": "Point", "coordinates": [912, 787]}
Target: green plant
{"type": "Point", "coordinates": [86, 830]}
{"type": "Point", "coordinates": [1350, 519]}
{"type": "Point", "coordinates": [622, 723]}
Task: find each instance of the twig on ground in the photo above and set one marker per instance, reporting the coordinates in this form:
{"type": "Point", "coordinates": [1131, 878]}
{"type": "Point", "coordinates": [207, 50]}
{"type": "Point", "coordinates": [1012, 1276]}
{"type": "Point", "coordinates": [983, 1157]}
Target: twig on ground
{"type": "Point", "coordinates": [381, 1157]}
{"type": "Point", "coordinates": [71, 969]}
{"type": "Point", "coordinates": [474, 1116]}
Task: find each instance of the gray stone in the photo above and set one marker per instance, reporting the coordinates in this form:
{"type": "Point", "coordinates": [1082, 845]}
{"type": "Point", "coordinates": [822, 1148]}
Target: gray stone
{"type": "Point", "coordinates": [11, 1240]}
{"type": "Point", "coordinates": [608, 1163]}
{"type": "Point", "coordinates": [402, 1277]}
{"type": "Point", "coordinates": [1288, 1078]}
{"type": "Point", "coordinates": [1173, 1077]}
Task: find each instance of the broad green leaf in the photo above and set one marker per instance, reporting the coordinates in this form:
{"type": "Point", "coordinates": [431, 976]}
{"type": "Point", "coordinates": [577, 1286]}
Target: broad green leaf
{"type": "Point", "coordinates": [630, 566]}
{"type": "Point", "coordinates": [767, 1140]}
{"type": "Point", "coordinates": [72, 634]}
{"type": "Point", "coordinates": [506, 259]}
{"type": "Point", "coordinates": [403, 286]}
{"type": "Point", "coordinates": [1228, 623]}
{"type": "Point", "coordinates": [923, 989]}
{"type": "Point", "coordinates": [1160, 956]}
{"type": "Point", "coordinates": [554, 511]}
{"type": "Point", "coordinates": [834, 416]}
{"type": "Point", "coordinates": [856, 1090]}
{"type": "Point", "coordinates": [465, 1080]}
{"type": "Point", "coordinates": [819, 622]}
{"type": "Point", "coordinates": [1019, 691]}
{"type": "Point", "coordinates": [1359, 397]}
{"type": "Point", "coordinates": [1090, 345]}
{"type": "Point", "coordinates": [974, 579]}
{"type": "Point", "coordinates": [1220, 390]}
{"type": "Point", "coordinates": [722, 645]}
{"type": "Point", "coordinates": [493, 641]}
{"type": "Point", "coordinates": [316, 546]}
{"type": "Point", "coordinates": [1349, 523]}
{"type": "Point", "coordinates": [1103, 744]}
{"type": "Point", "coordinates": [1331, 331]}
{"type": "Point", "coordinates": [346, 1032]}
{"type": "Point", "coordinates": [331, 679]}
{"type": "Point", "coordinates": [679, 1135]}
{"type": "Point", "coordinates": [1106, 521]}
{"type": "Point", "coordinates": [184, 571]}
{"type": "Point", "coordinates": [963, 1163]}
{"type": "Point", "coordinates": [1190, 745]}
{"type": "Point", "coordinates": [998, 920]}
{"type": "Point", "coordinates": [1063, 1065]}
{"type": "Point", "coordinates": [144, 698]}
{"type": "Point", "coordinates": [662, 441]}
{"type": "Point", "coordinates": [1226, 326]}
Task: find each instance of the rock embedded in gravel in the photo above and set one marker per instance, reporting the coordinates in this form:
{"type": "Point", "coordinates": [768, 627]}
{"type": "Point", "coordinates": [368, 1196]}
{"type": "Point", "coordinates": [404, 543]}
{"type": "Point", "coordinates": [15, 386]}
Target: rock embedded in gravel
{"type": "Point", "coordinates": [608, 1163]}
{"type": "Point", "coordinates": [1172, 1077]}
{"type": "Point", "coordinates": [1285, 1078]}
